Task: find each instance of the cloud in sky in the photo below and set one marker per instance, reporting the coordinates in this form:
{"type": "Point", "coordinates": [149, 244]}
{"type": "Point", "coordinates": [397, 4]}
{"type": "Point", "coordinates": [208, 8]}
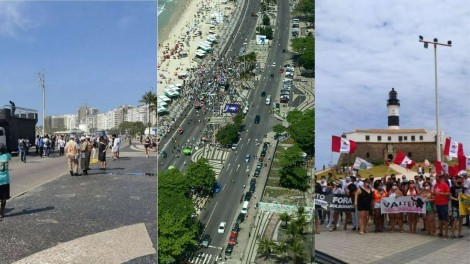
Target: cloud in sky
{"type": "Point", "coordinates": [364, 48]}
{"type": "Point", "coordinates": [15, 19]}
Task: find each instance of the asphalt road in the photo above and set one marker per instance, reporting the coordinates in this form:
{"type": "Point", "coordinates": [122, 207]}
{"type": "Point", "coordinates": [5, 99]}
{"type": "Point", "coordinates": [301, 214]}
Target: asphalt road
{"type": "Point", "coordinates": [68, 209]}
{"type": "Point", "coordinates": [225, 206]}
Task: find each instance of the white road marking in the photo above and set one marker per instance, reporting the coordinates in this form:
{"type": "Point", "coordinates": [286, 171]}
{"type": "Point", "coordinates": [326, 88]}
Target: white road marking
{"type": "Point", "coordinates": [210, 216]}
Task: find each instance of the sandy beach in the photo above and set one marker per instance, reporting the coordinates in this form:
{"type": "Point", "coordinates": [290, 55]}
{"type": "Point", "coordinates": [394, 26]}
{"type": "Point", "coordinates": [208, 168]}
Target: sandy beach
{"type": "Point", "coordinates": [178, 42]}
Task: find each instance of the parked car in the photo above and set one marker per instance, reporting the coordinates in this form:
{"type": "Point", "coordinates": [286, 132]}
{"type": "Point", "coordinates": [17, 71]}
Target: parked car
{"type": "Point", "coordinates": [236, 227]}
{"type": "Point", "coordinates": [205, 240]}
{"type": "Point", "coordinates": [253, 181]}
{"type": "Point", "coordinates": [263, 153]}
{"type": "Point", "coordinates": [229, 249]}
{"type": "Point", "coordinates": [233, 238]}
{"type": "Point", "coordinates": [248, 196]}
{"type": "Point", "coordinates": [257, 171]}
{"type": "Point", "coordinates": [252, 188]}
{"type": "Point", "coordinates": [222, 226]}
{"type": "Point", "coordinates": [240, 218]}
{"type": "Point", "coordinates": [254, 14]}
{"type": "Point", "coordinates": [259, 165]}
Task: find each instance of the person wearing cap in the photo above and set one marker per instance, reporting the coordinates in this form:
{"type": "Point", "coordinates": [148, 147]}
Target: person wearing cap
{"type": "Point", "coordinates": [5, 158]}
{"type": "Point", "coordinates": [72, 154]}
{"type": "Point", "coordinates": [84, 154]}
{"type": "Point", "coordinates": [441, 200]}
{"type": "Point", "coordinates": [455, 190]}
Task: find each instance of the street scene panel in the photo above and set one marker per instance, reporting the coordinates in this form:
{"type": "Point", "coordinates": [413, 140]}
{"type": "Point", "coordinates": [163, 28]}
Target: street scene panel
{"type": "Point", "coordinates": [392, 129]}
{"type": "Point", "coordinates": [235, 131]}
{"type": "Point", "coordinates": [77, 124]}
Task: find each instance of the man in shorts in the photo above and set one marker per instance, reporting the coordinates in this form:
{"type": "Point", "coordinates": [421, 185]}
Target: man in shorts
{"type": "Point", "coordinates": [441, 194]}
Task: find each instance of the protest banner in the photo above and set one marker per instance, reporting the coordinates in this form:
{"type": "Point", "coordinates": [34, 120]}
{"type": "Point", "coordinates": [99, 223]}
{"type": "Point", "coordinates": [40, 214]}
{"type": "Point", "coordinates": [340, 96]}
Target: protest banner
{"type": "Point", "coordinates": [464, 204]}
{"type": "Point", "coordinates": [335, 202]}
{"type": "Point", "coordinates": [403, 204]}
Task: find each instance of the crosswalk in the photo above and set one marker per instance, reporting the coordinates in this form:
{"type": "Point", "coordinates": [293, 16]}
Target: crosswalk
{"type": "Point", "coordinates": [201, 258]}
{"type": "Point", "coordinates": [211, 153]}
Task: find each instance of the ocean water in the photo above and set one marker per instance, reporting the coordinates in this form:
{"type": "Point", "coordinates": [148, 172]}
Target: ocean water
{"type": "Point", "coordinates": [165, 10]}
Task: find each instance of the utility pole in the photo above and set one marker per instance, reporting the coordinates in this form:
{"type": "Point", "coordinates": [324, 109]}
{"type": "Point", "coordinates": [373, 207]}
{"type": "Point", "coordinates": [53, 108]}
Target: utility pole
{"type": "Point", "coordinates": [42, 85]}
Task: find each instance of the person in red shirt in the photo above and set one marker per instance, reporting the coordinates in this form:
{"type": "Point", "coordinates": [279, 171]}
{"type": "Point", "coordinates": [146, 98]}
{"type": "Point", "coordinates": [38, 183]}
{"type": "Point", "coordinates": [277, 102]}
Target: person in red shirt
{"type": "Point", "coordinates": [441, 200]}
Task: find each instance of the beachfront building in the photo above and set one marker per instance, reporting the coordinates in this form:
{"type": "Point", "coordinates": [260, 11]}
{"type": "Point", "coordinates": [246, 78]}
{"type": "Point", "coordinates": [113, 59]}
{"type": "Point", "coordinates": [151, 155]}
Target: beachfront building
{"type": "Point", "coordinates": [382, 145]}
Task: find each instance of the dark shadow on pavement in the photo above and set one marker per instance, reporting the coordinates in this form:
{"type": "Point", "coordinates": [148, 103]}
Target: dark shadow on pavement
{"type": "Point", "coordinates": [27, 211]}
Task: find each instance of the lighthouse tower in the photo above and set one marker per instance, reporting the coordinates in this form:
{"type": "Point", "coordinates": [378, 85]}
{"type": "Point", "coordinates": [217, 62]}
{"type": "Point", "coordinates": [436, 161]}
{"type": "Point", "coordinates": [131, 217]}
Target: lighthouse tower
{"type": "Point", "coordinates": [393, 106]}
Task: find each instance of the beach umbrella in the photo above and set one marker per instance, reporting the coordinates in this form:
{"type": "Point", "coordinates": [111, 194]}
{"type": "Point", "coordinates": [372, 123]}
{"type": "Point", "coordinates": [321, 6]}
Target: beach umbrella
{"type": "Point", "coordinates": [187, 151]}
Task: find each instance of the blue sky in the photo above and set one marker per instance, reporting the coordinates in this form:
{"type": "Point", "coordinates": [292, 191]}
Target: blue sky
{"type": "Point", "coordinates": [99, 53]}
{"type": "Point", "coordinates": [364, 48]}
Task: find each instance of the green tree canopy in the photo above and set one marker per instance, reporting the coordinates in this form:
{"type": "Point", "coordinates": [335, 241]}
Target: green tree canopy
{"type": "Point", "coordinates": [291, 174]}
{"type": "Point", "coordinates": [201, 176]}
{"type": "Point", "coordinates": [150, 99]}
{"type": "Point", "coordinates": [278, 129]}
{"type": "Point", "coordinates": [132, 127]}
{"type": "Point", "coordinates": [305, 46]}
{"type": "Point", "coordinates": [302, 129]}
{"type": "Point", "coordinates": [227, 134]}
{"type": "Point", "coordinates": [306, 8]}
{"type": "Point", "coordinates": [266, 20]}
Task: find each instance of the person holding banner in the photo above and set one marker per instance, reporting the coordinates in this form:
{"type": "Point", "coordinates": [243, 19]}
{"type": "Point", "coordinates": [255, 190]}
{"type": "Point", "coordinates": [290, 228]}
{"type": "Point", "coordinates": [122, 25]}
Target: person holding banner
{"type": "Point", "coordinates": [394, 191]}
{"type": "Point", "coordinates": [410, 190]}
{"type": "Point", "coordinates": [336, 190]}
{"type": "Point", "coordinates": [379, 192]}
{"type": "Point", "coordinates": [429, 217]}
{"type": "Point", "coordinates": [455, 191]}
{"type": "Point", "coordinates": [363, 201]}
{"type": "Point", "coordinates": [441, 200]}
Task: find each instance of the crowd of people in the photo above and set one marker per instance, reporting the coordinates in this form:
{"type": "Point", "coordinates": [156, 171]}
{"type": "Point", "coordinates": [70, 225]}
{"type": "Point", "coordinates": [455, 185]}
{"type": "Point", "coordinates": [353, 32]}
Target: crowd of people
{"type": "Point", "coordinates": [437, 191]}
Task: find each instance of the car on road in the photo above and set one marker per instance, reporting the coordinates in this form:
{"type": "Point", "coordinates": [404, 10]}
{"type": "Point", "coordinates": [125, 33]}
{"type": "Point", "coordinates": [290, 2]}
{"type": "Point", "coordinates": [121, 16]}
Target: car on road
{"type": "Point", "coordinates": [240, 218]}
{"type": "Point", "coordinates": [229, 250]}
{"type": "Point", "coordinates": [180, 130]}
{"type": "Point", "coordinates": [254, 14]}
{"type": "Point", "coordinates": [272, 75]}
{"type": "Point", "coordinates": [257, 171]}
{"type": "Point", "coordinates": [274, 64]}
{"type": "Point", "coordinates": [222, 226]}
{"type": "Point", "coordinates": [205, 240]}
{"type": "Point", "coordinates": [263, 94]}
{"type": "Point", "coordinates": [236, 227]}
{"type": "Point", "coordinates": [233, 238]}
{"type": "Point", "coordinates": [234, 146]}
{"type": "Point", "coordinates": [248, 196]}
{"type": "Point", "coordinates": [257, 118]}
{"type": "Point", "coordinates": [283, 50]}
{"type": "Point", "coordinates": [217, 187]}
{"type": "Point", "coordinates": [247, 158]}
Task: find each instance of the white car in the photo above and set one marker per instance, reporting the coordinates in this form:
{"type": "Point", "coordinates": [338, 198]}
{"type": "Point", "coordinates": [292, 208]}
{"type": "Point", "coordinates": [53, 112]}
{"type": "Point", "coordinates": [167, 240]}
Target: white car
{"type": "Point", "coordinates": [274, 64]}
{"type": "Point", "coordinates": [222, 226]}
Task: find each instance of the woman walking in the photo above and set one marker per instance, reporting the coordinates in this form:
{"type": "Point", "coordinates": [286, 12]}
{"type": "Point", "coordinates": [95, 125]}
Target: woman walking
{"type": "Point", "coordinates": [5, 158]}
{"type": "Point", "coordinates": [102, 147]}
{"type": "Point", "coordinates": [147, 145]}
{"type": "Point", "coordinates": [363, 201]}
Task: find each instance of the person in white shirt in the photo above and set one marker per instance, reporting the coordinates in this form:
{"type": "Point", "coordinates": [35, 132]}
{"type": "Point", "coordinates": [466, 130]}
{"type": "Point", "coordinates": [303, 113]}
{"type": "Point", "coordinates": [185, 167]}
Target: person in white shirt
{"type": "Point", "coordinates": [116, 146]}
{"type": "Point", "coordinates": [61, 144]}
{"type": "Point", "coordinates": [336, 190]}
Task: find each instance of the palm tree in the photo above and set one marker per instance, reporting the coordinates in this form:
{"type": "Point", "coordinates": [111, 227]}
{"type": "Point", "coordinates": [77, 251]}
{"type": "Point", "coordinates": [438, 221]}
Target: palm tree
{"type": "Point", "coordinates": [297, 248]}
{"type": "Point", "coordinates": [266, 247]}
{"type": "Point", "coordinates": [150, 99]}
{"type": "Point", "coordinates": [282, 248]}
{"type": "Point", "coordinates": [285, 217]}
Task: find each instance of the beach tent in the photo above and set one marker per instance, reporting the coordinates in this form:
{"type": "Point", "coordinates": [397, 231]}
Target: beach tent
{"type": "Point", "coordinates": [171, 86]}
{"type": "Point", "coordinates": [162, 103]}
{"type": "Point", "coordinates": [164, 98]}
{"type": "Point", "coordinates": [162, 110]}
{"type": "Point", "coordinates": [179, 85]}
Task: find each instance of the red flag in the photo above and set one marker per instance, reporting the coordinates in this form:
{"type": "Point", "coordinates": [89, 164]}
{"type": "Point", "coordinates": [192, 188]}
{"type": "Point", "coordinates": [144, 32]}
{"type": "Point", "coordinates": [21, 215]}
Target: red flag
{"type": "Point", "coordinates": [342, 145]}
{"type": "Point", "coordinates": [463, 162]}
{"type": "Point", "coordinates": [452, 148]}
{"type": "Point", "coordinates": [438, 166]}
{"type": "Point", "coordinates": [454, 170]}
{"type": "Point", "coordinates": [402, 160]}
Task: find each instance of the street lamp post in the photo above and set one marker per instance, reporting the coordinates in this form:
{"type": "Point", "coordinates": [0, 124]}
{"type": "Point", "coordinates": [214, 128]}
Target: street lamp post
{"type": "Point", "coordinates": [435, 43]}
{"type": "Point", "coordinates": [43, 86]}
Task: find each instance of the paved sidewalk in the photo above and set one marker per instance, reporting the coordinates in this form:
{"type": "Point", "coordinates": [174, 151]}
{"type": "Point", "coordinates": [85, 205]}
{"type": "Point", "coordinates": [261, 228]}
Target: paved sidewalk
{"type": "Point", "coordinates": [395, 247]}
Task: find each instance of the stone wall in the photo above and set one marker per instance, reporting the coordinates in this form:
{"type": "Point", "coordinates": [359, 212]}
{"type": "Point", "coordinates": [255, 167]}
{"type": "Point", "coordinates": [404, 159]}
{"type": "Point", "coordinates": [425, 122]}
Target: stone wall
{"type": "Point", "coordinates": [381, 151]}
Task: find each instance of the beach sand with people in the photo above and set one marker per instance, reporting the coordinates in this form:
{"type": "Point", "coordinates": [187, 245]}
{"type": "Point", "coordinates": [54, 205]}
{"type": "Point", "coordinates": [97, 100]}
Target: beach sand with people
{"type": "Point", "coordinates": [178, 41]}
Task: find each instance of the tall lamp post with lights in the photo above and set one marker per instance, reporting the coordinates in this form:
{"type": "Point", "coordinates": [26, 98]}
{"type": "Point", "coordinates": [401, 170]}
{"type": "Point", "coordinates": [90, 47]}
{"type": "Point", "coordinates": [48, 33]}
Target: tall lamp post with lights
{"type": "Point", "coordinates": [42, 85]}
{"type": "Point", "coordinates": [436, 43]}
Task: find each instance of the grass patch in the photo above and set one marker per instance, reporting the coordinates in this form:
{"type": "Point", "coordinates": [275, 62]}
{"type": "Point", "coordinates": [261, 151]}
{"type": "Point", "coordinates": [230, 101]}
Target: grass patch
{"type": "Point", "coordinates": [288, 141]}
{"type": "Point", "coordinates": [276, 193]}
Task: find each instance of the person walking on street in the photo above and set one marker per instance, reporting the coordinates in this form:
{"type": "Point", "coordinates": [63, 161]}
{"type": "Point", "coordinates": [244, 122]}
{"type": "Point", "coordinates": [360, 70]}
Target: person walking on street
{"type": "Point", "coordinates": [23, 147]}
{"type": "Point", "coordinates": [147, 145]}
{"type": "Point", "coordinates": [61, 144]}
{"type": "Point", "coordinates": [88, 153]}
{"type": "Point", "coordinates": [41, 146]}
{"type": "Point", "coordinates": [72, 151]}
{"type": "Point", "coordinates": [47, 145]}
{"type": "Point", "coordinates": [441, 201]}
{"type": "Point", "coordinates": [83, 154]}
{"type": "Point", "coordinates": [5, 158]}
{"type": "Point", "coordinates": [102, 148]}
